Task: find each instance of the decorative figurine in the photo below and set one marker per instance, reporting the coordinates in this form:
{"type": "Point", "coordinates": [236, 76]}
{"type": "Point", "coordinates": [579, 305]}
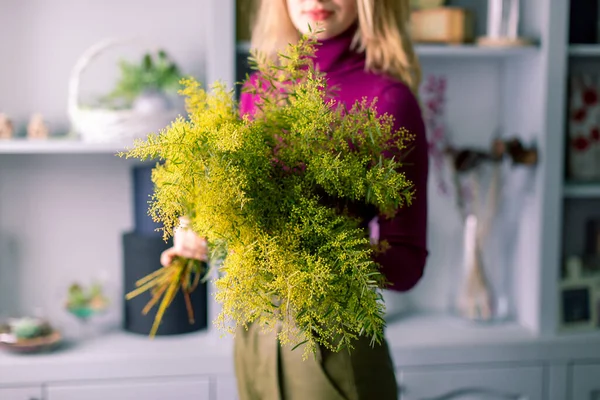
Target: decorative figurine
{"type": "Point", "coordinates": [6, 127]}
{"type": "Point", "coordinates": [475, 301]}
{"type": "Point", "coordinates": [37, 128]}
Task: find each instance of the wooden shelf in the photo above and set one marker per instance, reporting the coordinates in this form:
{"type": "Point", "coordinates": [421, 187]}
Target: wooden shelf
{"type": "Point", "coordinates": [582, 190]}
{"type": "Point", "coordinates": [458, 51]}
{"type": "Point", "coordinates": [58, 146]}
{"type": "Point", "coordinates": [584, 50]}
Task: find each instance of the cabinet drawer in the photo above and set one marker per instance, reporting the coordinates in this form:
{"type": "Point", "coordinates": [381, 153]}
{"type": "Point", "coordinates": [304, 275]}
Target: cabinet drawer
{"type": "Point", "coordinates": [21, 393]}
{"type": "Point", "coordinates": [585, 382]}
{"type": "Point", "coordinates": [155, 389]}
{"type": "Point", "coordinates": [523, 383]}
{"type": "Point", "coordinates": [227, 388]}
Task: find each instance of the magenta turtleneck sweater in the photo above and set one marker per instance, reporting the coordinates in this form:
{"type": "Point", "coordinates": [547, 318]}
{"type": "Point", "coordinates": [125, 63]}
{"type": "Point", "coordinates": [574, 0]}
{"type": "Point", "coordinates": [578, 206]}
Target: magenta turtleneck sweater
{"type": "Point", "coordinates": [404, 261]}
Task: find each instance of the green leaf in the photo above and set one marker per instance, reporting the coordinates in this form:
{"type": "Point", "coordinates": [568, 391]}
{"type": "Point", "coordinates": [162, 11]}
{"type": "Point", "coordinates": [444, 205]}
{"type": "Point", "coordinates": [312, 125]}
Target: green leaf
{"type": "Point", "coordinates": [299, 344]}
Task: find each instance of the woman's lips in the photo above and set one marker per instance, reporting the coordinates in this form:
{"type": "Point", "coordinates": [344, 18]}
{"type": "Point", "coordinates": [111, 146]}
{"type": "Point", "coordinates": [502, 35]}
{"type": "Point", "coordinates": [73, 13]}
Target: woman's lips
{"type": "Point", "coordinates": [319, 15]}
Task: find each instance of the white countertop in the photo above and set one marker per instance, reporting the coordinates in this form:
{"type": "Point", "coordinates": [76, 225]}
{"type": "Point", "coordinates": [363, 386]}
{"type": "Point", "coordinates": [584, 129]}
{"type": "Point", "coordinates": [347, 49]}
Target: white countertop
{"type": "Point", "coordinates": [423, 340]}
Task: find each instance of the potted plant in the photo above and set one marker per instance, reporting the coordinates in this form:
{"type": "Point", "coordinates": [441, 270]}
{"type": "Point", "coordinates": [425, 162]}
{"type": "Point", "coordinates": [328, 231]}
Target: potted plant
{"type": "Point", "coordinates": [145, 86]}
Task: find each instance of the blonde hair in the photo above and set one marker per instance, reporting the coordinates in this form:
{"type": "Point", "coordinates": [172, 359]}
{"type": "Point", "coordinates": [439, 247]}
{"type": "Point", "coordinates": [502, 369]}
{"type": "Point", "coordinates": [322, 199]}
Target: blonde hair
{"type": "Point", "coordinates": [383, 34]}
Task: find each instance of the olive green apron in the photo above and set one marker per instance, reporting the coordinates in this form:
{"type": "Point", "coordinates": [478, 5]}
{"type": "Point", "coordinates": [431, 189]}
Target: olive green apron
{"type": "Point", "coordinates": [267, 371]}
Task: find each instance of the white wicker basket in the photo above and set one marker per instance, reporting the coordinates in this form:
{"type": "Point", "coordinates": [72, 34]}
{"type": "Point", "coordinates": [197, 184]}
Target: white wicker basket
{"type": "Point", "coordinates": [105, 125]}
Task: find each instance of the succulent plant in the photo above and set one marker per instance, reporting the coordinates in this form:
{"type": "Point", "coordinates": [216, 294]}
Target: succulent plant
{"type": "Point", "coordinates": [84, 303]}
{"type": "Point", "coordinates": [29, 328]}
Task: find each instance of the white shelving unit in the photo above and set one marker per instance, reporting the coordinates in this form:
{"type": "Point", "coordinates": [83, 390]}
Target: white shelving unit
{"type": "Point", "coordinates": [58, 146]}
{"type": "Point", "coordinates": [468, 51]}
{"type": "Point", "coordinates": [63, 194]}
{"type": "Point", "coordinates": [119, 355]}
{"type": "Point", "coordinates": [454, 51]}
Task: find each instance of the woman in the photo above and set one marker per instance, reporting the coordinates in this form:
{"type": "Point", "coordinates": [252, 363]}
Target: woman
{"type": "Point", "coordinates": [365, 51]}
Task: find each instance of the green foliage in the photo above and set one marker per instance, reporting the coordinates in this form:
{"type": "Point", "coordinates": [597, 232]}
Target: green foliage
{"type": "Point", "coordinates": [84, 302]}
{"type": "Point", "coordinates": [27, 328]}
{"type": "Point", "coordinates": [273, 197]}
{"type": "Point", "coordinates": [155, 72]}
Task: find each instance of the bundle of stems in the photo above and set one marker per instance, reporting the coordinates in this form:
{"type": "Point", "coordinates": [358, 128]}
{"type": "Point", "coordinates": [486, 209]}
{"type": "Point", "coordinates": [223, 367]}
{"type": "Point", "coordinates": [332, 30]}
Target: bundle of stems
{"type": "Point", "coordinates": [182, 273]}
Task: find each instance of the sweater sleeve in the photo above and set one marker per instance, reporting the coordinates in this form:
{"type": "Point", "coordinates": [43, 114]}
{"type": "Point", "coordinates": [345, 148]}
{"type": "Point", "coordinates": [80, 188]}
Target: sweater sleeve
{"type": "Point", "coordinates": [246, 104]}
{"type": "Point", "coordinates": [406, 233]}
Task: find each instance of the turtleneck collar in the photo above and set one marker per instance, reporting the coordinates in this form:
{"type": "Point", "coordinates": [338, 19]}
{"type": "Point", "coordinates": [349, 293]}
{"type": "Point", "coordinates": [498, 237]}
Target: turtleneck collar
{"type": "Point", "coordinates": [335, 53]}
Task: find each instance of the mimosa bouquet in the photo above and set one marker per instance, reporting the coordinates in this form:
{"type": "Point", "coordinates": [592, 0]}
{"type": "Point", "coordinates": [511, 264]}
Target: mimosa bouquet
{"type": "Point", "coordinates": [276, 198]}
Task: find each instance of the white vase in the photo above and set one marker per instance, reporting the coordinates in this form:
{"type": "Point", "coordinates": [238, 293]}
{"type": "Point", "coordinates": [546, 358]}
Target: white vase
{"type": "Point", "coordinates": [151, 102]}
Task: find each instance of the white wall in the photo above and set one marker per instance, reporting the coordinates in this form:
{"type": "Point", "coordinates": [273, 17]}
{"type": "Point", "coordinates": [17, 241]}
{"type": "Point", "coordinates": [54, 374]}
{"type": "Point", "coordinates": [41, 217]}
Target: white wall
{"type": "Point", "coordinates": [61, 220]}
{"type": "Point", "coordinates": [61, 217]}
{"type": "Point", "coordinates": [41, 40]}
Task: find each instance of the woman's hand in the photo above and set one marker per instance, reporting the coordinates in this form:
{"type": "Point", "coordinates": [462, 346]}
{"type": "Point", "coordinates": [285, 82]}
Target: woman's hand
{"type": "Point", "coordinates": [186, 244]}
